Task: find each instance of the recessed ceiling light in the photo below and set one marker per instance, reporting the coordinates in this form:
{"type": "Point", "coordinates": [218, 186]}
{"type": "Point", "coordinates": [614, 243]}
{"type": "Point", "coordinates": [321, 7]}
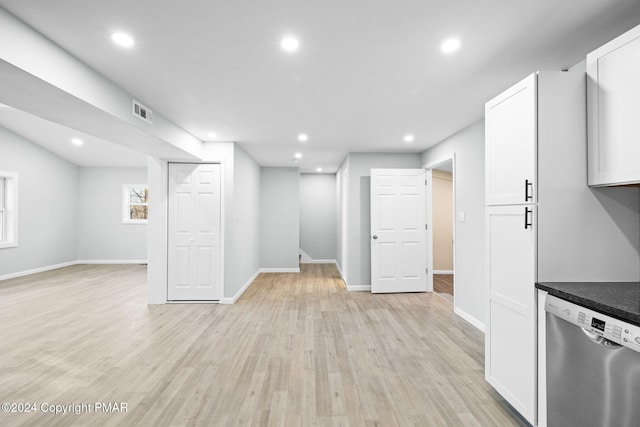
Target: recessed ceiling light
{"type": "Point", "coordinates": [298, 155]}
{"type": "Point", "coordinates": [289, 44]}
{"type": "Point", "coordinates": [77, 142]}
{"type": "Point", "coordinates": [303, 137]}
{"type": "Point", "coordinates": [122, 40]}
{"type": "Point", "coordinates": [318, 169]}
{"type": "Point", "coordinates": [409, 138]}
{"type": "Point", "coordinates": [212, 134]}
{"type": "Point", "coordinates": [450, 45]}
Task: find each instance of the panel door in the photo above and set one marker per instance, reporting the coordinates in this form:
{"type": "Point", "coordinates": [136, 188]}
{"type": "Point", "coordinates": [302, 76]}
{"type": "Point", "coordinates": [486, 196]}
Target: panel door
{"type": "Point", "coordinates": [614, 108]}
{"type": "Point", "coordinates": [510, 340]}
{"type": "Point", "coordinates": [194, 272]}
{"type": "Point", "coordinates": [398, 238]}
{"type": "Point", "coordinates": [510, 138]}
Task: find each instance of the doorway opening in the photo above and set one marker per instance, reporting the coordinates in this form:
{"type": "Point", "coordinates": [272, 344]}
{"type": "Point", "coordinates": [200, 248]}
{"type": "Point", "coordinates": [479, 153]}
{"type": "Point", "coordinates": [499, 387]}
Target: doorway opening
{"type": "Point", "coordinates": [441, 223]}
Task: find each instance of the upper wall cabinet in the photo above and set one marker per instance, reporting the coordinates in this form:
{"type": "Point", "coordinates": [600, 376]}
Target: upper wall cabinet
{"type": "Point", "coordinates": [510, 127]}
{"type": "Point", "coordinates": [613, 93]}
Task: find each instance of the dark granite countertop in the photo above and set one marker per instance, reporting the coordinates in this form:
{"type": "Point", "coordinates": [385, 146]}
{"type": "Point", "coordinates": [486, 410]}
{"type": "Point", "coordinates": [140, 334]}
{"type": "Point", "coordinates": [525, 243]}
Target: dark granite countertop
{"type": "Point", "coordinates": [616, 299]}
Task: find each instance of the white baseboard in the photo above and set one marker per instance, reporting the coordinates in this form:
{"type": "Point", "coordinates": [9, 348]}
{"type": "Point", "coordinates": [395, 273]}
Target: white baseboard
{"type": "Point", "coordinates": [280, 270]}
{"type": "Point", "coordinates": [475, 322]}
{"type": "Point", "coordinates": [361, 288]}
{"type": "Point", "coordinates": [37, 270]}
{"type": "Point", "coordinates": [442, 271]}
{"type": "Point", "coordinates": [108, 261]}
{"type": "Point", "coordinates": [238, 294]}
{"type": "Point", "coordinates": [305, 258]}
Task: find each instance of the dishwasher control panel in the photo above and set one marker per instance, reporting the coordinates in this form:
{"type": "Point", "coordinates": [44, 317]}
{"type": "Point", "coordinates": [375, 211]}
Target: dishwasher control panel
{"type": "Point", "coordinates": [606, 326]}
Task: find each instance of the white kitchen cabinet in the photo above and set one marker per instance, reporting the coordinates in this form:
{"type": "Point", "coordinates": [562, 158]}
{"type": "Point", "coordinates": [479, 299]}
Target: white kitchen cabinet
{"type": "Point", "coordinates": [510, 332]}
{"type": "Point", "coordinates": [613, 95]}
{"type": "Point", "coordinates": [511, 154]}
{"type": "Point", "coordinates": [572, 232]}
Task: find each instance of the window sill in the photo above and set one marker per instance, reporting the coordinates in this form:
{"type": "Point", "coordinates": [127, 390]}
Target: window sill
{"type": "Point", "coordinates": [4, 245]}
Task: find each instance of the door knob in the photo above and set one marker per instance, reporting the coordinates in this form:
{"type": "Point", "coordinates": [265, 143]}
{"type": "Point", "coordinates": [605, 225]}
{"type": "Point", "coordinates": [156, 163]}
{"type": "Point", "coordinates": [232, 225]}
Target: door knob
{"type": "Point", "coordinates": [374, 237]}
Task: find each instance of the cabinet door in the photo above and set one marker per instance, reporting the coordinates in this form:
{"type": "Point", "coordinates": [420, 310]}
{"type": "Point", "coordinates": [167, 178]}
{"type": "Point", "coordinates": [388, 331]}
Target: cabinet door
{"type": "Point", "coordinates": [510, 138]}
{"type": "Point", "coordinates": [510, 340]}
{"type": "Point", "coordinates": [614, 111]}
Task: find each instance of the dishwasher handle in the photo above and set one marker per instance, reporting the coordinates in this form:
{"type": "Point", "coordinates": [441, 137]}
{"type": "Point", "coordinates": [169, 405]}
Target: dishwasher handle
{"type": "Point", "coordinates": [600, 340]}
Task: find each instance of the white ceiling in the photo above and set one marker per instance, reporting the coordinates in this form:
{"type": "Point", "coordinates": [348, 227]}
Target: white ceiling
{"type": "Point", "coordinates": [367, 72]}
{"type": "Point", "coordinates": [94, 152]}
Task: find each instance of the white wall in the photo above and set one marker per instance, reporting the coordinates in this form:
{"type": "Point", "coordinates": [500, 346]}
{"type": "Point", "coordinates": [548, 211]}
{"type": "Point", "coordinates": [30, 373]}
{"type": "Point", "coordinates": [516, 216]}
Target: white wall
{"type": "Point", "coordinates": [468, 146]}
{"type": "Point", "coordinates": [101, 234]}
{"type": "Point", "coordinates": [245, 260]}
{"type": "Point", "coordinates": [48, 206]}
{"type": "Point", "coordinates": [318, 215]}
{"type": "Point", "coordinates": [359, 210]}
{"type": "Point", "coordinates": [279, 218]}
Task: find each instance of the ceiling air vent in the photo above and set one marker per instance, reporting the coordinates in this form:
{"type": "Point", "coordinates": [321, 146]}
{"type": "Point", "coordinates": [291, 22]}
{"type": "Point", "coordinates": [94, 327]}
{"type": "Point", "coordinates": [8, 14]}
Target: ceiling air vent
{"type": "Point", "coordinates": [142, 112]}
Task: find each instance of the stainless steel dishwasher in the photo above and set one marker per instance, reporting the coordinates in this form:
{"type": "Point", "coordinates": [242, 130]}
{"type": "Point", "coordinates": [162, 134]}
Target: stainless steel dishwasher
{"type": "Point", "coordinates": [593, 368]}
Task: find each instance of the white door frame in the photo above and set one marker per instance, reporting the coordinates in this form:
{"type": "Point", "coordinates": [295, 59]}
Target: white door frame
{"type": "Point", "coordinates": [222, 231]}
{"type": "Point", "coordinates": [429, 203]}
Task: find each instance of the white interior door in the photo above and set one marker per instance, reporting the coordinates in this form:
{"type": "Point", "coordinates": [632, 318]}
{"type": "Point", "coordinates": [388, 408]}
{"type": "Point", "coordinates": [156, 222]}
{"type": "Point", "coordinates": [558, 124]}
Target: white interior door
{"type": "Point", "coordinates": [194, 232]}
{"type": "Point", "coordinates": [398, 237]}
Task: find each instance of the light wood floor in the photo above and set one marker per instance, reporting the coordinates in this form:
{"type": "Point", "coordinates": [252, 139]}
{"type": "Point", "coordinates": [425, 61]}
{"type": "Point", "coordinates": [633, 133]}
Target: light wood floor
{"type": "Point", "coordinates": [443, 283]}
{"type": "Point", "coordinates": [295, 350]}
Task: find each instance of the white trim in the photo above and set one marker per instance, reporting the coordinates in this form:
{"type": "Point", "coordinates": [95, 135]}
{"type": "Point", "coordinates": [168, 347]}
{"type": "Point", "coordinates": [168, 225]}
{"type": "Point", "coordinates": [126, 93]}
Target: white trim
{"type": "Point", "coordinates": [361, 288]}
{"type": "Point", "coordinates": [340, 271]}
{"type": "Point", "coordinates": [305, 258]}
{"type": "Point", "coordinates": [475, 322]}
{"type": "Point", "coordinates": [195, 302]}
{"type": "Point", "coordinates": [110, 261]}
{"type": "Point", "coordinates": [322, 261]}
{"type": "Point", "coordinates": [238, 294]}
{"type": "Point", "coordinates": [344, 279]}
{"type": "Point", "coordinates": [442, 271]}
{"type": "Point", "coordinates": [37, 270]}
{"type": "Point", "coordinates": [279, 270]}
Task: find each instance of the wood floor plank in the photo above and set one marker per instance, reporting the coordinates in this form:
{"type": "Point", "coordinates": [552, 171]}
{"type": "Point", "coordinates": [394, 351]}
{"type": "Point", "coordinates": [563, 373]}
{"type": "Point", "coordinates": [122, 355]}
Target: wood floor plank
{"type": "Point", "coordinates": [296, 349]}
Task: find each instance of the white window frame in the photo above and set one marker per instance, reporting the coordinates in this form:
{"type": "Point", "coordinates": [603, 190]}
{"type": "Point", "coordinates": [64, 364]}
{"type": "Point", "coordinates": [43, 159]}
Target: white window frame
{"type": "Point", "coordinates": [8, 210]}
{"type": "Point", "coordinates": [126, 204]}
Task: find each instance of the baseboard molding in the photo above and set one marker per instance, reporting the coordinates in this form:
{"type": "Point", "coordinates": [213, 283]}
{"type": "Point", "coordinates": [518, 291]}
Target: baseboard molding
{"type": "Point", "coordinates": [361, 288]}
{"type": "Point", "coordinates": [475, 322]}
{"type": "Point", "coordinates": [305, 258]}
{"type": "Point", "coordinates": [37, 270]}
{"type": "Point", "coordinates": [280, 270]}
{"type": "Point", "coordinates": [442, 271]}
{"type": "Point", "coordinates": [108, 261]}
{"type": "Point", "coordinates": [344, 279]}
{"type": "Point", "coordinates": [238, 294]}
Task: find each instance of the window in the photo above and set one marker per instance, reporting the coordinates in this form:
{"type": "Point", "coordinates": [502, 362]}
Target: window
{"type": "Point", "coordinates": [135, 206]}
{"type": "Point", "coordinates": [8, 210]}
